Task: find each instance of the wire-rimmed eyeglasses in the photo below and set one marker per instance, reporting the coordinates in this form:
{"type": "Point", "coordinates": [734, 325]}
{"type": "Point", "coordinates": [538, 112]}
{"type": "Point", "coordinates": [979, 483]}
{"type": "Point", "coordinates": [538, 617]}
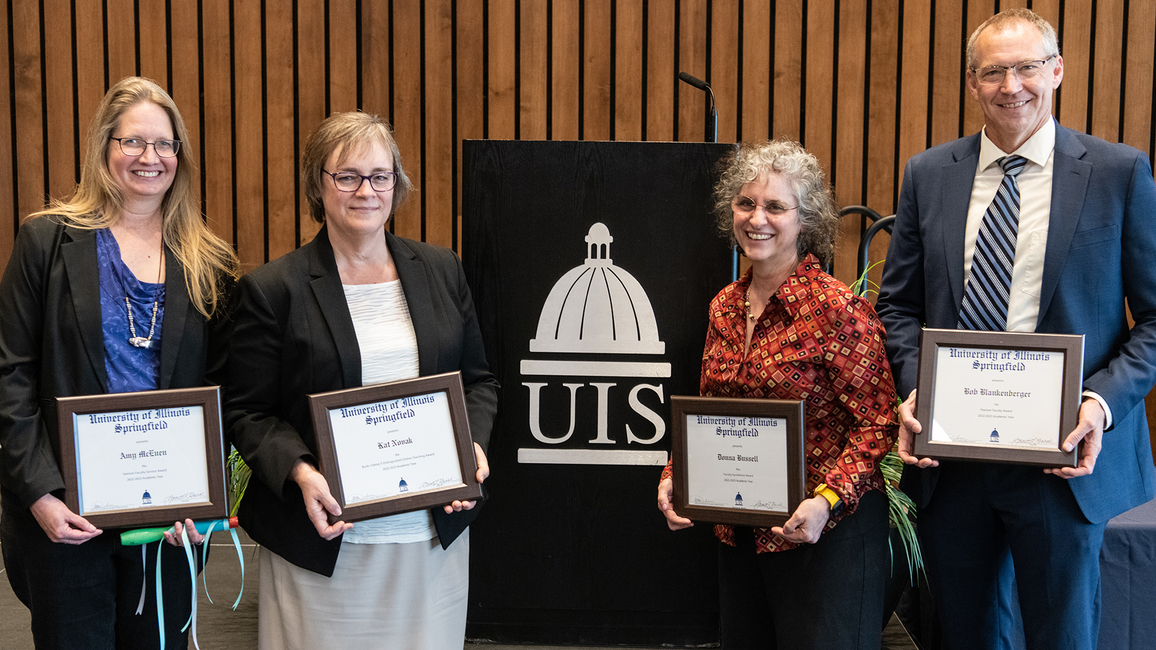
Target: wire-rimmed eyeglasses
{"type": "Point", "coordinates": [137, 146]}
{"type": "Point", "coordinates": [989, 75]}
{"type": "Point", "coordinates": [746, 206]}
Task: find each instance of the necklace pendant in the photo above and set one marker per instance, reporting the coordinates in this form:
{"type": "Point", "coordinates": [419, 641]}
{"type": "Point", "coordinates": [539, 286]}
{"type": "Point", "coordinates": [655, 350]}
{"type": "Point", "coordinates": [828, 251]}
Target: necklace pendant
{"type": "Point", "coordinates": [140, 342]}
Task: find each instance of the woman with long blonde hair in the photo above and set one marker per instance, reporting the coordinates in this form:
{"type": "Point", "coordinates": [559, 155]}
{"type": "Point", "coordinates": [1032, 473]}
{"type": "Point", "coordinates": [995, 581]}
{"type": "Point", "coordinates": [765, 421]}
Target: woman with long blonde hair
{"type": "Point", "coordinates": [120, 288]}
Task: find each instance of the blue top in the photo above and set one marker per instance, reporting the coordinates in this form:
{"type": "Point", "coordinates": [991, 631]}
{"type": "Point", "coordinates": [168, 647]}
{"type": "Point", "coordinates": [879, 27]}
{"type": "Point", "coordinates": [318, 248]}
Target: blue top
{"type": "Point", "coordinates": [129, 368]}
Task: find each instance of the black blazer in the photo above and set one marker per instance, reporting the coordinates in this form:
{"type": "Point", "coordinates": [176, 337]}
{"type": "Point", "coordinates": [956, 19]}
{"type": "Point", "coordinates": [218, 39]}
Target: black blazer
{"type": "Point", "coordinates": [52, 345]}
{"type": "Point", "coordinates": [294, 336]}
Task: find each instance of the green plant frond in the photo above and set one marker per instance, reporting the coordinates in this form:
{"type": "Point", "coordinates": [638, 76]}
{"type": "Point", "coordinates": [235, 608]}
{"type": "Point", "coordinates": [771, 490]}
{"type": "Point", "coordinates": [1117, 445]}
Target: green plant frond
{"type": "Point", "coordinates": [902, 513]}
{"type": "Point", "coordinates": [860, 286]}
{"type": "Point", "coordinates": [239, 475]}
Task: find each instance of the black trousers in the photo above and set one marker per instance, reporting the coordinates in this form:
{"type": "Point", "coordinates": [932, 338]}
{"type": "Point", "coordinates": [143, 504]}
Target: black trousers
{"type": "Point", "coordinates": [85, 597]}
{"type": "Point", "coordinates": [824, 596]}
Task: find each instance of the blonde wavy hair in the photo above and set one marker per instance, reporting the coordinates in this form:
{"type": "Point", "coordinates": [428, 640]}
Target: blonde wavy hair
{"type": "Point", "coordinates": [818, 212]}
{"type": "Point", "coordinates": [98, 202]}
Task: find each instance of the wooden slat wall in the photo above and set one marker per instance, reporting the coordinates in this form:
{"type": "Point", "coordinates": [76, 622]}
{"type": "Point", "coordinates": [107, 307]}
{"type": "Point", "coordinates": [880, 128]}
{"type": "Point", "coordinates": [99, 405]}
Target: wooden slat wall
{"type": "Point", "coordinates": [864, 85]}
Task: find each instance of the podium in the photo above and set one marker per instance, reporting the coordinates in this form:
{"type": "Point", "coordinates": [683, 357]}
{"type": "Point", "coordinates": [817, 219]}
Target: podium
{"type": "Point", "coordinates": [592, 266]}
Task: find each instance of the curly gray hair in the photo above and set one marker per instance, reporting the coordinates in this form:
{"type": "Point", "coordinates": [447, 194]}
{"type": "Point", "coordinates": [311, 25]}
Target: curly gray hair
{"type": "Point", "coordinates": [818, 215]}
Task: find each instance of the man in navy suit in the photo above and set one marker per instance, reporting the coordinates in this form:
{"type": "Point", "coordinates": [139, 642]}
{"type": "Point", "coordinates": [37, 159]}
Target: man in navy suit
{"type": "Point", "coordinates": [1085, 246]}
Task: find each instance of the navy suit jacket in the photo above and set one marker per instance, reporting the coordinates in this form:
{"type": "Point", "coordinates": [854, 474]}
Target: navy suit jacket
{"type": "Point", "coordinates": [294, 336]}
{"type": "Point", "coordinates": [1100, 254]}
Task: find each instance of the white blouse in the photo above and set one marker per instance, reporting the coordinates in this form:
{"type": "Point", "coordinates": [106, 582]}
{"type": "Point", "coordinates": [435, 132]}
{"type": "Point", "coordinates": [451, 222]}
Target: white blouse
{"type": "Point", "coordinates": [388, 345]}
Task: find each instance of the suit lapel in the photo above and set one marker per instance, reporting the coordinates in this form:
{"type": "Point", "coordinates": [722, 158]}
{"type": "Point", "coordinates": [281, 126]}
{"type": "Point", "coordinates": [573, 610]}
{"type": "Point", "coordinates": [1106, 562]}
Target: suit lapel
{"type": "Point", "coordinates": [81, 264]}
{"type": "Point", "coordinates": [418, 297]}
{"type": "Point", "coordinates": [176, 313]}
{"type": "Point", "coordinates": [956, 181]}
{"type": "Point", "coordinates": [1070, 176]}
{"type": "Point", "coordinates": [330, 296]}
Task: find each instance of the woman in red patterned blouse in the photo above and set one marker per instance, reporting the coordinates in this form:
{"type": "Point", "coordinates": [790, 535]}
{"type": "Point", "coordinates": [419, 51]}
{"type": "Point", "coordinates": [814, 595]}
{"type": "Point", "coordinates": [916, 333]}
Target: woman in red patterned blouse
{"type": "Point", "coordinates": [787, 330]}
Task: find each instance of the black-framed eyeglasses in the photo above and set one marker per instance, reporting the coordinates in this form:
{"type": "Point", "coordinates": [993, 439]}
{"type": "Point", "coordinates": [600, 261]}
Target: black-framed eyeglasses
{"type": "Point", "coordinates": [989, 75]}
{"type": "Point", "coordinates": [350, 182]}
{"type": "Point", "coordinates": [137, 146]}
{"type": "Point", "coordinates": [746, 206]}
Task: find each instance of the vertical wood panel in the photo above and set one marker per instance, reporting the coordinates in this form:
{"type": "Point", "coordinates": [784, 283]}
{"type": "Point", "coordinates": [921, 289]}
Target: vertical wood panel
{"type": "Point", "coordinates": [532, 71]}
{"type": "Point", "coordinates": [597, 77]}
{"type": "Point", "coordinates": [724, 69]}
{"type": "Point", "coordinates": [407, 33]}
{"type": "Point", "coordinates": [218, 119]}
{"type": "Point", "coordinates": [881, 163]}
{"type": "Point", "coordinates": [249, 135]}
{"type": "Point", "coordinates": [439, 146]}
{"type": "Point", "coordinates": [977, 12]}
{"type": "Point", "coordinates": [471, 92]}
{"type": "Point", "coordinates": [1108, 72]}
{"type": "Point", "coordinates": [29, 124]}
{"type": "Point", "coordinates": [947, 63]}
{"type": "Point", "coordinates": [281, 166]}
{"type": "Point", "coordinates": [913, 80]}
{"type": "Point", "coordinates": [503, 108]}
{"type": "Point", "coordinates": [820, 74]}
{"type": "Point", "coordinates": [847, 172]}
{"type": "Point", "coordinates": [153, 38]}
{"type": "Point", "coordinates": [882, 167]}
{"type": "Point", "coordinates": [1138, 75]}
{"type": "Point", "coordinates": [628, 59]}
{"type": "Point", "coordinates": [788, 77]}
{"type": "Point", "coordinates": [58, 99]}
{"type": "Point", "coordinates": [692, 102]}
{"type": "Point", "coordinates": [186, 82]}
{"type": "Point", "coordinates": [90, 87]}
{"type": "Point", "coordinates": [121, 39]}
{"type": "Point", "coordinates": [1075, 44]}
{"type": "Point", "coordinates": [312, 82]}
{"type": "Point", "coordinates": [565, 62]}
{"type": "Point", "coordinates": [756, 81]}
{"type": "Point", "coordinates": [7, 170]}
{"type": "Point", "coordinates": [375, 58]}
{"type": "Point", "coordinates": [661, 71]}
{"type": "Point", "coordinates": [343, 26]}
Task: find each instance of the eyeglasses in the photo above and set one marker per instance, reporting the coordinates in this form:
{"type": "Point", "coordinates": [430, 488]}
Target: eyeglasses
{"type": "Point", "coordinates": [746, 206]}
{"type": "Point", "coordinates": [350, 182]}
{"type": "Point", "coordinates": [1025, 70]}
{"type": "Point", "coordinates": [136, 147]}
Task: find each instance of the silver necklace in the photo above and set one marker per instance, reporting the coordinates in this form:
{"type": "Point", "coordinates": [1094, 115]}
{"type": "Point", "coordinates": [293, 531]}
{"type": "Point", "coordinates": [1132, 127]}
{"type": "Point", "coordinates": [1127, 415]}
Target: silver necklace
{"type": "Point", "coordinates": [137, 341]}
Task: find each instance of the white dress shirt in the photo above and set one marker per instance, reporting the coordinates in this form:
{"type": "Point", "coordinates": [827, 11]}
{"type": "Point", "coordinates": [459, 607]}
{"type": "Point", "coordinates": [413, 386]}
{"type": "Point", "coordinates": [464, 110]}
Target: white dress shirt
{"type": "Point", "coordinates": [1035, 183]}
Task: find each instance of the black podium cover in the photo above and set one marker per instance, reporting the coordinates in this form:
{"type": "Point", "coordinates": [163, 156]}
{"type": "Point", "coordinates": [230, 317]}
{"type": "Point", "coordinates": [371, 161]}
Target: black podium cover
{"type": "Point", "coordinates": [592, 265]}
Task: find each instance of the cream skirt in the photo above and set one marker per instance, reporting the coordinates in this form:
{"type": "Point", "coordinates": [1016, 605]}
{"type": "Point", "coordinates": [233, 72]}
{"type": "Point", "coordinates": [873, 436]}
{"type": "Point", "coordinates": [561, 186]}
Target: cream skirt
{"type": "Point", "coordinates": [410, 596]}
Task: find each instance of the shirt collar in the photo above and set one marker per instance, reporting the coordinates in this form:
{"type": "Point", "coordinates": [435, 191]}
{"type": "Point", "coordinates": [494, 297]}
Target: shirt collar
{"type": "Point", "coordinates": [1037, 149]}
{"type": "Point", "coordinates": [807, 270]}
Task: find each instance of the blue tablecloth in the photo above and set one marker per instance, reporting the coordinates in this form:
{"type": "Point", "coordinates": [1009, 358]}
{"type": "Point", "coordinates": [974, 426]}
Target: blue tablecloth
{"type": "Point", "coordinates": [1128, 581]}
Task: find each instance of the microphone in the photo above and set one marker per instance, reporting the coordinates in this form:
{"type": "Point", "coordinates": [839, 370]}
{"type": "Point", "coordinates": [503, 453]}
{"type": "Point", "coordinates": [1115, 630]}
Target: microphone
{"type": "Point", "coordinates": [710, 129]}
{"type": "Point", "coordinates": [694, 81]}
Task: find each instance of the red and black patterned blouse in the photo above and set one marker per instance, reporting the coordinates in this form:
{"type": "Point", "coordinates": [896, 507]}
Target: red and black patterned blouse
{"type": "Point", "coordinates": [818, 342]}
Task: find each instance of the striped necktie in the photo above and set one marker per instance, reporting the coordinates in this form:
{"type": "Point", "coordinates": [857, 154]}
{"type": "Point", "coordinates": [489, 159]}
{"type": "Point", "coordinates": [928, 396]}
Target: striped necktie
{"type": "Point", "coordinates": [985, 299]}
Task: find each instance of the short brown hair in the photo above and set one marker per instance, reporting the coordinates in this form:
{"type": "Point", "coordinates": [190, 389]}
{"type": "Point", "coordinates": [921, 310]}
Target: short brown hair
{"type": "Point", "coordinates": [351, 133]}
{"type": "Point", "coordinates": [1007, 17]}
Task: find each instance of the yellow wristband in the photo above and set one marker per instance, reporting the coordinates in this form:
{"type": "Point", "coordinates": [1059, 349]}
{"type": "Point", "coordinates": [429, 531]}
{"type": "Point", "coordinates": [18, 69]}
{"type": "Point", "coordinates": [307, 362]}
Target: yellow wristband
{"type": "Point", "coordinates": [827, 493]}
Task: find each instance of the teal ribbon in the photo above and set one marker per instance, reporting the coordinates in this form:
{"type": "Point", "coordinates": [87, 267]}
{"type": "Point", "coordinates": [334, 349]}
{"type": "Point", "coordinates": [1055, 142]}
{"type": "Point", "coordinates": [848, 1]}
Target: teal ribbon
{"type": "Point", "coordinates": [145, 536]}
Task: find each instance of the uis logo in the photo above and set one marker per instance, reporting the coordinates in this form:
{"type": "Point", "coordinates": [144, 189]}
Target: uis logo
{"type": "Point", "coordinates": [598, 346]}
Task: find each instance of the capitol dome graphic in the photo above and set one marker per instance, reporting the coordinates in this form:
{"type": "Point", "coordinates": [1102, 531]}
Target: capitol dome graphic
{"type": "Point", "coordinates": [597, 308]}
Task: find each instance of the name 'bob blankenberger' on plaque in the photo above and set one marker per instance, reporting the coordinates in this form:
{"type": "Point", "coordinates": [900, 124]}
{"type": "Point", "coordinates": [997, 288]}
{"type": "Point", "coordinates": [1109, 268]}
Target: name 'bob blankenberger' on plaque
{"type": "Point", "coordinates": [998, 396]}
